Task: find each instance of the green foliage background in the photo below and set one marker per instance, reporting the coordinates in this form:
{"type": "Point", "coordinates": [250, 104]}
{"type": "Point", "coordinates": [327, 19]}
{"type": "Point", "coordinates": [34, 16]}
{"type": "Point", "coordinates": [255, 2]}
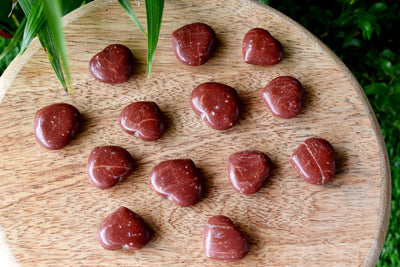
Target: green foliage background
{"type": "Point", "coordinates": [365, 35]}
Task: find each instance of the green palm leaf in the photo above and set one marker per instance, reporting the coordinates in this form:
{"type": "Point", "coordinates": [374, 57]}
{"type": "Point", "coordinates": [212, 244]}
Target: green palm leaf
{"type": "Point", "coordinates": [35, 21]}
{"type": "Point", "coordinates": [128, 8]}
{"type": "Point", "coordinates": [53, 13]}
{"type": "Point", "coordinates": [154, 12]}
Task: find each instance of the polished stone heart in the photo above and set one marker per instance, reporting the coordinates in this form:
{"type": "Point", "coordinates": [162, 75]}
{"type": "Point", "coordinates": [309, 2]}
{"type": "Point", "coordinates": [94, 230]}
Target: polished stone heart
{"type": "Point", "coordinates": [282, 96]}
{"type": "Point", "coordinates": [123, 229]}
{"type": "Point", "coordinates": [314, 161]}
{"type": "Point", "coordinates": [112, 65]}
{"type": "Point", "coordinates": [193, 43]}
{"type": "Point", "coordinates": [217, 104]}
{"type": "Point", "coordinates": [143, 120]}
{"type": "Point", "coordinates": [108, 165]}
{"type": "Point", "coordinates": [247, 170]}
{"type": "Point", "coordinates": [222, 241]}
{"type": "Point", "coordinates": [260, 48]}
{"type": "Point", "coordinates": [55, 125]}
{"type": "Point", "coordinates": [178, 180]}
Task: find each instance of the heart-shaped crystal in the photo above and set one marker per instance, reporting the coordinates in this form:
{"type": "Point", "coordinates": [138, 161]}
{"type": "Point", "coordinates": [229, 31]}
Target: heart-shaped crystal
{"type": "Point", "coordinates": [55, 125]}
{"type": "Point", "coordinates": [282, 96]}
{"type": "Point", "coordinates": [314, 161]}
{"type": "Point", "coordinates": [217, 104]}
{"type": "Point", "coordinates": [222, 241]}
{"type": "Point", "coordinates": [143, 119]}
{"type": "Point", "coordinates": [193, 43]}
{"type": "Point", "coordinates": [112, 65]}
{"type": "Point", "coordinates": [108, 165]}
{"type": "Point", "coordinates": [260, 48]}
{"type": "Point", "coordinates": [247, 170]}
{"type": "Point", "coordinates": [123, 229]}
{"type": "Point", "coordinates": [177, 180]}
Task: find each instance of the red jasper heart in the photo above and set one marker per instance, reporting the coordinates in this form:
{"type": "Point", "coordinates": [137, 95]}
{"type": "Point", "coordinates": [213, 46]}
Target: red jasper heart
{"type": "Point", "coordinates": [123, 229]}
{"type": "Point", "coordinates": [222, 241]}
{"type": "Point", "coordinates": [217, 104]}
{"type": "Point", "coordinates": [314, 161]}
{"type": "Point", "coordinates": [178, 180]}
{"type": "Point", "coordinates": [55, 125]}
{"type": "Point", "coordinates": [108, 165]}
{"type": "Point", "coordinates": [144, 120]}
{"type": "Point", "coordinates": [282, 96]}
{"type": "Point", "coordinates": [112, 65]}
{"type": "Point", "coordinates": [193, 43]}
{"type": "Point", "coordinates": [260, 48]}
{"type": "Point", "coordinates": [247, 170]}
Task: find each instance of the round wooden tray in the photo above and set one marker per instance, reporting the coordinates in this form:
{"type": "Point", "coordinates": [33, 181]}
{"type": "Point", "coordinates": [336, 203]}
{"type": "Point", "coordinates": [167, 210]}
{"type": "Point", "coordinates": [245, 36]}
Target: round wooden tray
{"type": "Point", "coordinates": [50, 213]}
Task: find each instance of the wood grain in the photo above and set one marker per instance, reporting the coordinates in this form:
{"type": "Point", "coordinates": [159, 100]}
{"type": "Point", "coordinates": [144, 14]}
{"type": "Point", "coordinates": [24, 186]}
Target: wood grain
{"type": "Point", "coordinates": [50, 213]}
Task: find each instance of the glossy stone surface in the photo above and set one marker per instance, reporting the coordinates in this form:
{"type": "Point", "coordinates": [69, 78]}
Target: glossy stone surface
{"type": "Point", "coordinates": [193, 43]}
{"type": "Point", "coordinates": [178, 180]}
{"type": "Point", "coordinates": [247, 170]}
{"type": "Point", "coordinates": [217, 104]}
{"type": "Point", "coordinates": [222, 241]}
{"type": "Point", "coordinates": [314, 161]}
{"type": "Point", "coordinates": [260, 48]}
{"type": "Point", "coordinates": [282, 96]}
{"type": "Point", "coordinates": [143, 120]}
{"type": "Point", "coordinates": [123, 229]}
{"type": "Point", "coordinates": [112, 65]}
{"type": "Point", "coordinates": [108, 165]}
{"type": "Point", "coordinates": [55, 125]}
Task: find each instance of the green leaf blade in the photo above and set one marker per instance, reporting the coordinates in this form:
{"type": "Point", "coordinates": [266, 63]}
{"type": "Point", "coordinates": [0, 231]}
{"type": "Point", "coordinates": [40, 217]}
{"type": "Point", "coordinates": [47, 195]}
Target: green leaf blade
{"type": "Point", "coordinates": [57, 48]}
{"type": "Point", "coordinates": [45, 39]}
{"type": "Point", "coordinates": [128, 9]}
{"type": "Point", "coordinates": [154, 12]}
{"type": "Point", "coordinates": [35, 21]}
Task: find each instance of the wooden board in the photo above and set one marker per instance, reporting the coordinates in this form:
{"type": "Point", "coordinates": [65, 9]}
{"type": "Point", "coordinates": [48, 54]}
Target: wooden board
{"type": "Point", "coordinates": [49, 213]}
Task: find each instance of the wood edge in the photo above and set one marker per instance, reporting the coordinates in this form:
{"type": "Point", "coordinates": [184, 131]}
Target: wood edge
{"type": "Point", "coordinates": [386, 189]}
{"type": "Point", "coordinates": [9, 75]}
{"type": "Point", "coordinates": [15, 66]}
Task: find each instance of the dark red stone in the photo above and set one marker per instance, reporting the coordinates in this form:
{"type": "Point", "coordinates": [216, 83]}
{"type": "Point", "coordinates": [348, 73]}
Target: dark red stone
{"type": "Point", "coordinates": [193, 43]}
{"type": "Point", "coordinates": [247, 170]}
{"type": "Point", "coordinates": [55, 125]}
{"type": "Point", "coordinates": [112, 65]}
{"type": "Point", "coordinates": [143, 120]}
{"type": "Point", "coordinates": [282, 96]}
{"type": "Point", "coordinates": [178, 180]}
{"type": "Point", "coordinates": [260, 48]}
{"type": "Point", "coordinates": [5, 34]}
{"type": "Point", "coordinates": [222, 241]}
{"type": "Point", "coordinates": [123, 229]}
{"type": "Point", "coordinates": [217, 104]}
{"type": "Point", "coordinates": [108, 165]}
{"type": "Point", "coordinates": [314, 161]}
